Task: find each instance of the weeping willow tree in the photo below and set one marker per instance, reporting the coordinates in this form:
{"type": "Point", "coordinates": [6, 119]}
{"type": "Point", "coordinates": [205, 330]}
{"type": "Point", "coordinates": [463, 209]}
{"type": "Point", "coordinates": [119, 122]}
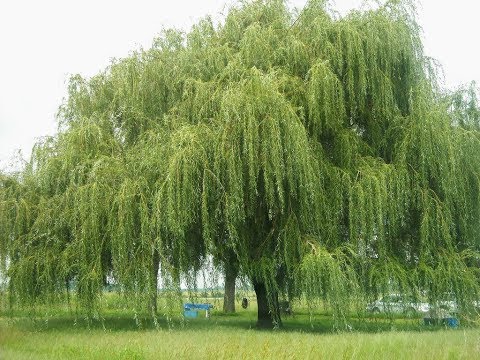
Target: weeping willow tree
{"type": "Point", "coordinates": [315, 153]}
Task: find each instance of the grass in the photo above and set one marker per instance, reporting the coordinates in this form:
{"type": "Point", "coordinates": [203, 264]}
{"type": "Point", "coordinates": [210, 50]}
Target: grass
{"type": "Point", "coordinates": [61, 335]}
{"type": "Point", "coordinates": [237, 343]}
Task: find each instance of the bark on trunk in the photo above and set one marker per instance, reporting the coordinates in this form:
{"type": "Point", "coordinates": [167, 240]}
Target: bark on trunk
{"type": "Point", "coordinates": [266, 317]}
{"type": "Point", "coordinates": [154, 280]}
{"type": "Point", "coordinates": [231, 273]}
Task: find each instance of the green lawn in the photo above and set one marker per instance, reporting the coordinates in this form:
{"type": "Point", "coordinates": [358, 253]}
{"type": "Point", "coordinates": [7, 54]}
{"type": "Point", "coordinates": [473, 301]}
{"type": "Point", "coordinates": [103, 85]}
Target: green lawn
{"type": "Point", "coordinates": [216, 342]}
{"type": "Point", "coordinates": [117, 336]}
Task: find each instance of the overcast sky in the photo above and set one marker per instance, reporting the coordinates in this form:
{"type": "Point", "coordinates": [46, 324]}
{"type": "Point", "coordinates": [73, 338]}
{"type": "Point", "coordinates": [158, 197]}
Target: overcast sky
{"type": "Point", "coordinates": [43, 42]}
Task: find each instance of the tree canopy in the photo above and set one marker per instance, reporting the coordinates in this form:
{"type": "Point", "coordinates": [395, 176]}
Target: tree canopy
{"type": "Point", "coordinates": [317, 151]}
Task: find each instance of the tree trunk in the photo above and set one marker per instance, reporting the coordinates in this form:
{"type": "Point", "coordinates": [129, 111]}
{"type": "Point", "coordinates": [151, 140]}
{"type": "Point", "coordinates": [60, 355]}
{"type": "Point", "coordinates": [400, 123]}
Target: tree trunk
{"type": "Point", "coordinates": [266, 318]}
{"type": "Point", "coordinates": [154, 281]}
{"type": "Point", "coordinates": [231, 273]}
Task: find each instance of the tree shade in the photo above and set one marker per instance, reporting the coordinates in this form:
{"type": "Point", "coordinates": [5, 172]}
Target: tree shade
{"type": "Point", "coordinates": [315, 152]}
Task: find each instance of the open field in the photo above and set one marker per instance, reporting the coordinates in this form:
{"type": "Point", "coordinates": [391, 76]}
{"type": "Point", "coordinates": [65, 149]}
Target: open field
{"type": "Point", "coordinates": [234, 342]}
{"type": "Point", "coordinates": [117, 336]}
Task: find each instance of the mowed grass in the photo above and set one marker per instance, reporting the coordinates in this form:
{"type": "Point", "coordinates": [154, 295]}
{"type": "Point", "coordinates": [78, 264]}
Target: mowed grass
{"type": "Point", "coordinates": [117, 336]}
{"type": "Point", "coordinates": [233, 343]}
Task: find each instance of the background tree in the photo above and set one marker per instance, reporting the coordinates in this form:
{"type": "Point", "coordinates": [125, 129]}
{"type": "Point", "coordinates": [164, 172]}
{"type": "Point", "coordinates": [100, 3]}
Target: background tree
{"type": "Point", "coordinates": [316, 152]}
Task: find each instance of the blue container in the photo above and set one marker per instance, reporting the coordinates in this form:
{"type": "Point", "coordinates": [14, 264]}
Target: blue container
{"type": "Point", "coordinates": [451, 322]}
{"type": "Point", "coordinates": [190, 313]}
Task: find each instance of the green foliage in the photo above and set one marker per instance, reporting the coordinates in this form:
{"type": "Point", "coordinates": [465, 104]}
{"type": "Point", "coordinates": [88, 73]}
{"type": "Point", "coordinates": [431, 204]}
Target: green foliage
{"type": "Point", "coordinates": [317, 149]}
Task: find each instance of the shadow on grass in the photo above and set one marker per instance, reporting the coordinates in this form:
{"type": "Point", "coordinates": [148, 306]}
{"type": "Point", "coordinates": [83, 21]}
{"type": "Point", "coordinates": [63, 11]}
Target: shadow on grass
{"type": "Point", "coordinates": [242, 320]}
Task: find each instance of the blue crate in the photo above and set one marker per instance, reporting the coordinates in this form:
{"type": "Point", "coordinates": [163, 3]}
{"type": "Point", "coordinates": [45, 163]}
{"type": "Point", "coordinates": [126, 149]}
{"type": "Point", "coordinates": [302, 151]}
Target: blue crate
{"type": "Point", "coordinates": [451, 322]}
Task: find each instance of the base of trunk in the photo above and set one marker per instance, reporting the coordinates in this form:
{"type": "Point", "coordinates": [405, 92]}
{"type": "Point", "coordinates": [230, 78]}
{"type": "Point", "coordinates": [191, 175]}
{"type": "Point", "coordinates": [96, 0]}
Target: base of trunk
{"type": "Point", "coordinates": [154, 282]}
{"type": "Point", "coordinates": [267, 318]}
{"type": "Point", "coordinates": [231, 272]}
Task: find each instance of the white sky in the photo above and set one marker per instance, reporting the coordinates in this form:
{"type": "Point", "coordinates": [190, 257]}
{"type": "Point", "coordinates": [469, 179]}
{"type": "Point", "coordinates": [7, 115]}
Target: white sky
{"type": "Point", "coordinates": [43, 42]}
